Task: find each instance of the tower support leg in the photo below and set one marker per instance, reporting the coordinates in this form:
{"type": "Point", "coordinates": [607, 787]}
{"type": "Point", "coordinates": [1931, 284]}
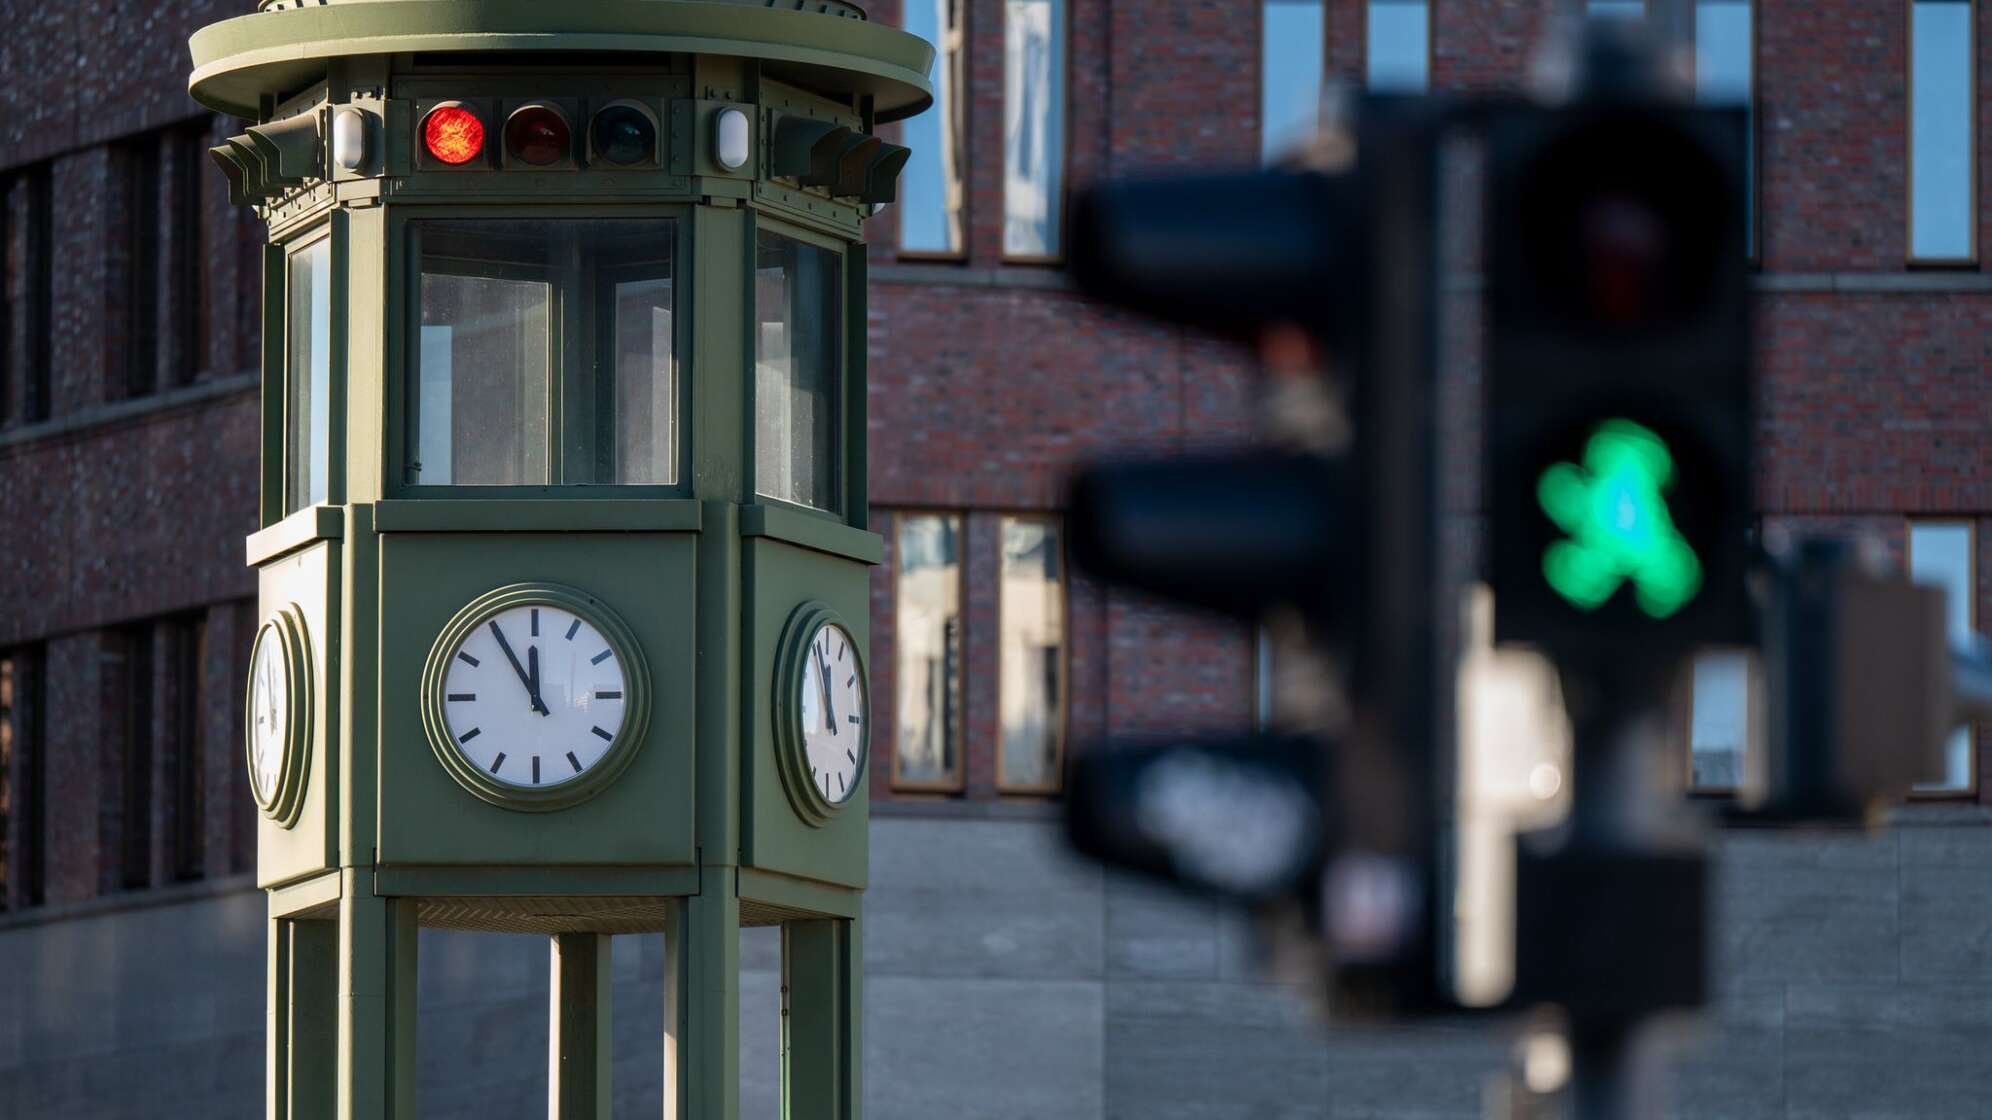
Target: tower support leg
{"type": "Point", "coordinates": [702, 1001]}
{"type": "Point", "coordinates": [822, 1016]}
{"type": "Point", "coordinates": [376, 1002]}
{"type": "Point", "coordinates": [579, 1035]}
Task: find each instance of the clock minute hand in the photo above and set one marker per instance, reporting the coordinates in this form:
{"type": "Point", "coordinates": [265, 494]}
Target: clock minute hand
{"type": "Point", "coordinates": [823, 687]}
{"type": "Point", "coordinates": [531, 694]}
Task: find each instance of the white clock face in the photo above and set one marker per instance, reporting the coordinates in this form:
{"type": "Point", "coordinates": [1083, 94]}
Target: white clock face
{"type": "Point", "coordinates": [269, 713]}
{"type": "Point", "coordinates": [534, 696]}
{"type": "Point", "coordinates": [834, 714]}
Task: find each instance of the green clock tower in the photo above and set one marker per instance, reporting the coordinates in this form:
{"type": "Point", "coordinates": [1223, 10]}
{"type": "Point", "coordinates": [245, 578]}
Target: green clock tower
{"type": "Point", "coordinates": [563, 566]}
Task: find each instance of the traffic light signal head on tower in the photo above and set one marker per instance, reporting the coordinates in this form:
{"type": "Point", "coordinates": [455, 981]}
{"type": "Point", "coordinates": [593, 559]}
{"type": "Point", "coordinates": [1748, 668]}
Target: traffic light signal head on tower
{"type": "Point", "coordinates": [1620, 398]}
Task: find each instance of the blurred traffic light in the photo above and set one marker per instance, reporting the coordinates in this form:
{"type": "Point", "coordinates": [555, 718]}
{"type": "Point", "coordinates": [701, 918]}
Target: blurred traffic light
{"type": "Point", "coordinates": [1619, 402]}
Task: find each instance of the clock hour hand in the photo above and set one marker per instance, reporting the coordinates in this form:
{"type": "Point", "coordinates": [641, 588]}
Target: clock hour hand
{"type": "Point", "coordinates": [823, 687]}
{"type": "Point", "coordinates": [532, 668]}
{"type": "Point", "coordinates": [531, 693]}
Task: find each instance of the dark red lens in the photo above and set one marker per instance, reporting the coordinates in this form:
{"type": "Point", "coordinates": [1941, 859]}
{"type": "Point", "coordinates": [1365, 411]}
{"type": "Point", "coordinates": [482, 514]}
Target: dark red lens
{"type": "Point", "coordinates": [538, 136]}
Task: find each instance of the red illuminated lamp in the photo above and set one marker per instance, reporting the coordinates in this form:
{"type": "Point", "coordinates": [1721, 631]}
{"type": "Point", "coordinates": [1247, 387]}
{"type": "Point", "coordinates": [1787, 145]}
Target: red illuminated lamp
{"type": "Point", "coordinates": [453, 134]}
{"type": "Point", "coordinates": [538, 135]}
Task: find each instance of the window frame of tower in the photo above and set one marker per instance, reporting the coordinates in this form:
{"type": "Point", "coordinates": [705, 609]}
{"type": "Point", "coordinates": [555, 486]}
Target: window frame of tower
{"type": "Point", "coordinates": [1749, 692]}
{"type": "Point", "coordinates": [1723, 95]}
{"type": "Point", "coordinates": [939, 138]}
{"type": "Point", "coordinates": [573, 425]}
{"type": "Point", "coordinates": [310, 478]}
{"type": "Point", "coordinates": [24, 776]}
{"type": "Point", "coordinates": [1058, 70]}
{"type": "Point", "coordinates": [1058, 728]}
{"type": "Point", "coordinates": [1389, 84]}
{"type": "Point", "coordinates": [1960, 616]}
{"type": "Point", "coordinates": [835, 339]}
{"type": "Point", "coordinates": [142, 221]}
{"type": "Point", "coordinates": [1967, 210]}
{"type": "Point", "coordinates": [1286, 92]}
{"type": "Point", "coordinates": [954, 688]}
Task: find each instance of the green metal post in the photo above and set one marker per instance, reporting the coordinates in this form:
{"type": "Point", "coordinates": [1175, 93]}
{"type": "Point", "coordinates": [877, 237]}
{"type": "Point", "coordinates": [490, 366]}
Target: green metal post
{"type": "Point", "coordinates": [702, 1001]}
{"type": "Point", "coordinates": [820, 1052]}
{"type": "Point", "coordinates": [376, 1003]}
{"type": "Point", "coordinates": [580, 1035]}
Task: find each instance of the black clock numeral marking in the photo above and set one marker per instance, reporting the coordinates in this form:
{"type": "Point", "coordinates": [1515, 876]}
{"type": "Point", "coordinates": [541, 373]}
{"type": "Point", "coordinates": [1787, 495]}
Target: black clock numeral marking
{"type": "Point", "coordinates": [851, 680]}
{"type": "Point", "coordinates": [851, 755]}
{"type": "Point", "coordinates": [467, 659]}
{"type": "Point", "coordinates": [571, 629]}
{"type": "Point", "coordinates": [852, 719]}
{"type": "Point", "coordinates": [471, 734]}
{"type": "Point", "coordinates": [497, 762]}
{"type": "Point", "coordinates": [603, 734]}
{"type": "Point", "coordinates": [455, 696]}
{"type": "Point", "coordinates": [840, 783]}
{"type": "Point", "coordinates": [826, 785]}
{"type": "Point", "coordinates": [607, 694]}
{"type": "Point", "coordinates": [535, 769]}
{"type": "Point", "coordinates": [840, 651]}
{"type": "Point", "coordinates": [601, 657]}
{"type": "Point", "coordinates": [574, 762]}
{"type": "Point", "coordinates": [535, 622]}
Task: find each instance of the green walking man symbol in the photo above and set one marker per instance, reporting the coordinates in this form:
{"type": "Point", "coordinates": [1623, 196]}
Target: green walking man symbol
{"type": "Point", "coordinates": [1619, 527]}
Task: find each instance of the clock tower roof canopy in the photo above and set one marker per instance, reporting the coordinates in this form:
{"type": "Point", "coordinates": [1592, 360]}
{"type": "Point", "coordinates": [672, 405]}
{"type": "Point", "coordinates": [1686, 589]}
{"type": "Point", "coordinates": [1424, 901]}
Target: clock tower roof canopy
{"type": "Point", "coordinates": [827, 46]}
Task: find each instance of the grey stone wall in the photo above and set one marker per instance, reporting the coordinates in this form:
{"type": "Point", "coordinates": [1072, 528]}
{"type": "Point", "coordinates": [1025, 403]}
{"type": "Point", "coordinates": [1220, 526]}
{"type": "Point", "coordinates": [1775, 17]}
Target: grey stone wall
{"type": "Point", "coordinates": [1005, 981]}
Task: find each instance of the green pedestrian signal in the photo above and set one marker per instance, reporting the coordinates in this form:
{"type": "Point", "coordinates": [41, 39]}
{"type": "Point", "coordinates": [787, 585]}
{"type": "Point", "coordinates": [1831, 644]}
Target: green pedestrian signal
{"type": "Point", "coordinates": [1613, 510]}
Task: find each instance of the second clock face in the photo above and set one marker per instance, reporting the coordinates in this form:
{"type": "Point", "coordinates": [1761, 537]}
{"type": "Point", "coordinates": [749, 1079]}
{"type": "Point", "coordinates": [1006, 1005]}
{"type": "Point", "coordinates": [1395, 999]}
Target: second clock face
{"type": "Point", "coordinates": [832, 706]}
{"type": "Point", "coordinates": [534, 696]}
{"type": "Point", "coordinates": [269, 713]}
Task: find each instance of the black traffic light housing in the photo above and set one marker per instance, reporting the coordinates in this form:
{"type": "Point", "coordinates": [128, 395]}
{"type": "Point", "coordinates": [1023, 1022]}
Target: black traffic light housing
{"type": "Point", "coordinates": [1619, 307]}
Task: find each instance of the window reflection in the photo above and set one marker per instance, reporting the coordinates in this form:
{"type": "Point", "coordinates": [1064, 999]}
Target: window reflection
{"type": "Point", "coordinates": [927, 606]}
{"type": "Point", "coordinates": [308, 376]}
{"type": "Point", "coordinates": [1940, 556]}
{"type": "Point", "coordinates": [1291, 40]}
{"type": "Point", "coordinates": [1941, 152]}
{"type": "Point", "coordinates": [1033, 126]}
{"type": "Point", "coordinates": [545, 354]}
{"type": "Point", "coordinates": [1719, 721]}
{"type": "Point", "coordinates": [930, 189]}
{"type": "Point", "coordinates": [797, 301]}
{"type": "Point", "coordinates": [1399, 45]}
{"type": "Point", "coordinates": [1031, 654]}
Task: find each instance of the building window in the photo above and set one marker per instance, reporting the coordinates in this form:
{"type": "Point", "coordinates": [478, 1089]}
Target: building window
{"type": "Point", "coordinates": [546, 356]}
{"type": "Point", "coordinates": [23, 780]}
{"type": "Point", "coordinates": [931, 189]}
{"type": "Point", "coordinates": [927, 636]}
{"type": "Point", "coordinates": [143, 222]}
{"type": "Point", "coordinates": [1291, 42]}
{"type": "Point", "coordinates": [26, 291]}
{"type": "Point", "coordinates": [1033, 127]}
{"type": "Point", "coordinates": [798, 368]}
{"type": "Point", "coordinates": [1616, 9]}
{"type": "Point", "coordinates": [1943, 156]}
{"type": "Point", "coordinates": [128, 684]}
{"type": "Point", "coordinates": [1031, 656]}
{"type": "Point", "coordinates": [190, 292]}
{"type": "Point", "coordinates": [1721, 717]}
{"type": "Point", "coordinates": [1725, 60]}
{"type": "Point", "coordinates": [1940, 555]}
{"type": "Point", "coordinates": [185, 642]}
{"type": "Point", "coordinates": [1398, 45]}
{"type": "Point", "coordinates": [308, 375]}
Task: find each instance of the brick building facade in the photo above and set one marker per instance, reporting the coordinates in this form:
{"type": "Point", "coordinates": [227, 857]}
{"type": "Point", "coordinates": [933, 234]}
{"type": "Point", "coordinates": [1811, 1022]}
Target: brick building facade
{"type": "Point", "coordinates": [1855, 970]}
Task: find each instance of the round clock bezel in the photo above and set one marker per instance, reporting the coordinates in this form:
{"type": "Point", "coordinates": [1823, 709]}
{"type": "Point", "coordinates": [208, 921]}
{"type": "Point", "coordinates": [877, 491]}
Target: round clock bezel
{"type": "Point", "coordinates": [791, 751]}
{"type": "Point", "coordinates": [636, 701]}
{"type": "Point", "coordinates": [286, 628]}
